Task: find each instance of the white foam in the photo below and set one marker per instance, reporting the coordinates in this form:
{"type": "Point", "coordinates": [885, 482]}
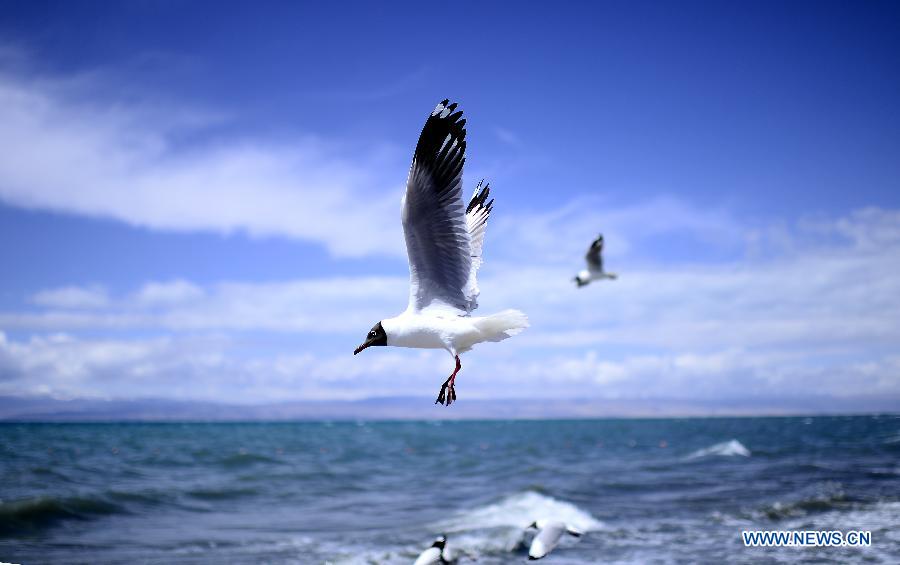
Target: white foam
{"type": "Point", "coordinates": [519, 510]}
{"type": "Point", "coordinates": [726, 448]}
{"type": "Point", "coordinates": [881, 518]}
{"type": "Point", "coordinates": [494, 529]}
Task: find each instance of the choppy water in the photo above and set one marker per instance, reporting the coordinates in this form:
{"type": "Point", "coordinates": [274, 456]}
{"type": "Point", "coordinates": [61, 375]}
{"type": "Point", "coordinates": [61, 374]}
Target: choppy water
{"type": "Point", "coordinates": [644, 490]}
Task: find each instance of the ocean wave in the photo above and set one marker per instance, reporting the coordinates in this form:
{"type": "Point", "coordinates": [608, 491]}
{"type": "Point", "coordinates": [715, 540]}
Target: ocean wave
{"type": "Point", "coordinates": [879, 517]}
{"type": "Point", "coordinates": [892, 439]}
{"type": "Point", "coordinates": [499, 527]}
{"type": "Point", "coordinates": [41, 512]}
{"type": "Point", "coordinates": [726, 448]}
{"type": "Point", "coordinates": [221, 494]}
{"type": "Point", "coordinates": [242, 459]}
{"type": "Point", "coordinates": [491, 530]}
{"type": "Point", "coordinates": [815, 504]}
{"type": "Point", "coordinates": [45, 511]}
{"type": "Point", "coordinates": [519, 510]}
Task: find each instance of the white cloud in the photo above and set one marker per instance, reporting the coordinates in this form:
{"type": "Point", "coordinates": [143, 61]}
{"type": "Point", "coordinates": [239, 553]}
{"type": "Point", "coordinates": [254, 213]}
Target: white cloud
{"type": "Point", "coordinates": [507, 136]}
{"type": "Point", "coordinates": [328, 305]}
{"type": "Point", "coordinates": [203, 368]}
{"type": "Point", "coordinates": [773, 309]}
{"type": "Point", "coordinates": [72, 297]}
{"type": "Point", "coordinates": [207, 368]}
{"type": "Point", "coordinates": [818, 309]}
{"type": "Point", "coordinates": [560, 236]}
{"type": "Point", "coordinates": [168, 293]}
{"type": "Point", "coordinates": [117, 161]}
{"type": "Point", "coordinates": [731, 374]}
{"type": "Point", "coordinates": [833, 287]}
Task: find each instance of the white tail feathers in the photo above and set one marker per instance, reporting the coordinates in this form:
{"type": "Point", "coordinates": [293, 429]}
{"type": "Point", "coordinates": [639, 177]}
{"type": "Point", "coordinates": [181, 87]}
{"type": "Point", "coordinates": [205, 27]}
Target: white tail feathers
{"type": "Point", "coordinates": [501, 325]}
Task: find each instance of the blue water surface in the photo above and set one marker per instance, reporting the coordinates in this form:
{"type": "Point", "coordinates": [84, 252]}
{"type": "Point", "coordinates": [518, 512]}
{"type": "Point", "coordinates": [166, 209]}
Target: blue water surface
{"type": "Point", "coordinates": [654, 490]}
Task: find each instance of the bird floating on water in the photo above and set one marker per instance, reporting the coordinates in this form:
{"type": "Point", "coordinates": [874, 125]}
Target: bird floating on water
{"type": "Point", "coordinates": [438, 553]}
{"type": "Point", "coordinates": [594, 259]}
{"type": "Point", "coordinates": [444, 240]}
{"type": "Point", "coordinates": [547, 537]}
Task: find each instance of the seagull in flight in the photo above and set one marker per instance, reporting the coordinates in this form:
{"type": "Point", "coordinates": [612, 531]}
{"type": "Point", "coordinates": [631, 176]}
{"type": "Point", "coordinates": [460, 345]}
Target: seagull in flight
{"type": "Point", "coordinates": [547, 537]}
{"type": "Point", "coordinates": [594, 271]}
{"type": "Point", "coordinates": [444, 239]}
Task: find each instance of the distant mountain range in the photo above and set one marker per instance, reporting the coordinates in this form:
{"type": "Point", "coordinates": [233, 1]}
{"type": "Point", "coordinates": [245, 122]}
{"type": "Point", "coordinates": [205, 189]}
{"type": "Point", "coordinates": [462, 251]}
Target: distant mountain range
{"type": "Point", "coordinates": [47, 409]}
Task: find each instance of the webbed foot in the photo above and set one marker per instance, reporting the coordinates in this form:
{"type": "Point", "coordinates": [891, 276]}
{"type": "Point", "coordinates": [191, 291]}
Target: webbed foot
{"type": "Point", "coordinates": [447, 394]}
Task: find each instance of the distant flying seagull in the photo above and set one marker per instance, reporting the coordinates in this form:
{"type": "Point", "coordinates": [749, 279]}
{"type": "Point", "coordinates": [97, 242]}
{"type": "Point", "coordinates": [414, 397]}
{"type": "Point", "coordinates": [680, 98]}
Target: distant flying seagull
{"type": "Point", "coordinates": [548, 534]}
{"type": "Point", "coordinates": [444, 239]}
{"type": "Point", "coordinates": [436, 554]}
{"type": "Point", "coordinates": [594, 271]}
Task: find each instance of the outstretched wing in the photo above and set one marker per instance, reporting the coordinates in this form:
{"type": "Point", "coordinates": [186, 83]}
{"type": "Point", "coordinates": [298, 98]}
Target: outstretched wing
{"type": "Point", "coordinates": [477, 213]}
{"type": "Point", "coordinates": [434, 218]}
{"type": "Point", "coordinates": [594, 256]}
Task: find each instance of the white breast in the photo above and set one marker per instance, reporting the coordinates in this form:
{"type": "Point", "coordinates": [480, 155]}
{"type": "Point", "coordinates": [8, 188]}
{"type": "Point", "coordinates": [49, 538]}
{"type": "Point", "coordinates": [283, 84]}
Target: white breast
{"type": "Point", "coordinates": [420, 332]}
{"type": "Point", "coordinates": [546, 539]}
{"type": "Point", "coordinates": [430, 556]}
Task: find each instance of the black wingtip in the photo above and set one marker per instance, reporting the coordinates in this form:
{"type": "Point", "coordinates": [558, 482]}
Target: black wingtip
{"type": "Point", "coordinates": [447, 112]}
{"type": "Point", "coordinates": [444, 109]}
{"type": "Point", "coordinates": [442, 144]}
{"type": "Point", "coordinates": [479, 198]}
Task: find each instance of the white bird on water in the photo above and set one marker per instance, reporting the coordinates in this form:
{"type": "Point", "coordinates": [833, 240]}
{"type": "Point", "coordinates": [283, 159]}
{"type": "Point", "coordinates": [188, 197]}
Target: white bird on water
{"type": "Point", "coordinates": [594, 259]}
{"type": "Point", "coordinates": [547, 537]}
{"type": "Point", "coordinates": [437, 554]}
{"type": "Point", "coordinates": [444, 239]}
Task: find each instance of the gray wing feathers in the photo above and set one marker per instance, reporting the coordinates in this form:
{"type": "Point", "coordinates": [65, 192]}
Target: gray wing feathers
{"type": "Point", "coordinates": [477, 213]}
{"type": "Point", "coordinates": [593, 257]}
{"type": "Point", "coordinates": [434, 219]}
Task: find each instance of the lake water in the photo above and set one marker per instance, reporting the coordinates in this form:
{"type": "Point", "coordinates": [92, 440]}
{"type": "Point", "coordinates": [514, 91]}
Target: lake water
{"type": "Point", "coordinates": [666, 491]}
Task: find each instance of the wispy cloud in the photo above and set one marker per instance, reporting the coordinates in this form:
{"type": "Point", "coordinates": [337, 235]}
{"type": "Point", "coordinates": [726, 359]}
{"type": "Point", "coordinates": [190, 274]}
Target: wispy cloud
{"type": "Point", "coordinates": [114, 160]}
{"type": "Point", "coordinates": [834, 288]}
{"type": "Point", "coordinates": [198, 368]}
{"type": "Point", "coordinates": [642, 230]}
{"type": "Point", "coordinates": [706, 302]}
{"type": "Point", "coordinates": [507, 136]}
{"type": "Point", "coordinates": [207, 368]}
{"type": "Point", "coordinates": [72, 297]}
{"type": "Point", "coordinates": [321, 306]}
{"type": "Point", "coordinates": [370, 91]}
{"type": "Point", "coordinates": [816, 311]}
{"type": "Point", "coordinates": [721, 373]}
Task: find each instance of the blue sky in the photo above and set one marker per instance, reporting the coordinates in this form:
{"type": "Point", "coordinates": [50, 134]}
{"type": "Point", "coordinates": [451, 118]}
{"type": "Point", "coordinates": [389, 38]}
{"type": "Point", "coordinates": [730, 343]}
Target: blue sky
{"type": "Point", "coordinates": [201, 202]}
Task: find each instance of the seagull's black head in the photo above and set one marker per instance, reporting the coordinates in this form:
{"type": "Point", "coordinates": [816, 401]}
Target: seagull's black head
{"type": "Point", "coordinates": [532, 525]}
{"type": "Point", "coordinates": [376, 337]}
{"type": "Point", "coordinates": [440, 542]}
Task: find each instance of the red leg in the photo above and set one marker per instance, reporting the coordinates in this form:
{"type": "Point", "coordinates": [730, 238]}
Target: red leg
{"type": "Point", "coordinates": [456, 370]}
{"type": "Point", "coordinates": [448, 390]}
